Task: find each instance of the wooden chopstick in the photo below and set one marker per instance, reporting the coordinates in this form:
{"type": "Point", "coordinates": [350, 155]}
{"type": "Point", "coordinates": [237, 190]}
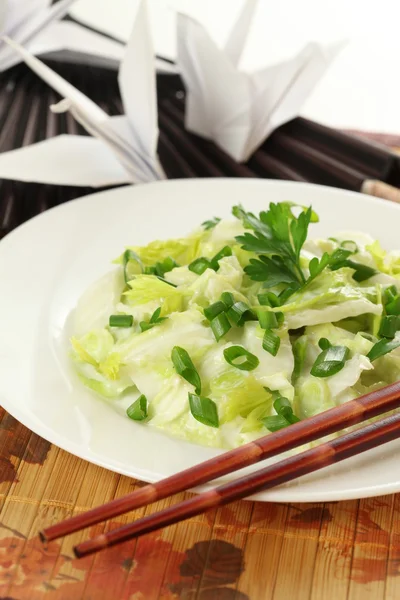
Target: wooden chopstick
{"type": "Point", "coordinates": [311, 429]}
{"type": "Point", "coordinates": [334, 451]}
{"type": "Point", "coordinates": [361, 154]}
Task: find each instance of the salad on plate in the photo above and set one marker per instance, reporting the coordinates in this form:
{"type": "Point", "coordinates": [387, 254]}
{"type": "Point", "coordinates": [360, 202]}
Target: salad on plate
{"type": "Point", "coordinates": [241, 328]}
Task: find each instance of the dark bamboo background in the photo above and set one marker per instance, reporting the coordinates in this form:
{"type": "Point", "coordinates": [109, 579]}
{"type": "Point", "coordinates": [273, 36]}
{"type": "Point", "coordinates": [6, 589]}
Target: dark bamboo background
{"type": "Point", "coordinates": [301, 150]}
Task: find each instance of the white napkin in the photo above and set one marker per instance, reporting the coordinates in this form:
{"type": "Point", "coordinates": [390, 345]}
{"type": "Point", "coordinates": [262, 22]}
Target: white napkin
{"type": "Point", "coordinates": [130, 139]}
{"type": "Point", "coordinates": [240, 110]}
{"type": "Point", "coordinates": [35, 25]}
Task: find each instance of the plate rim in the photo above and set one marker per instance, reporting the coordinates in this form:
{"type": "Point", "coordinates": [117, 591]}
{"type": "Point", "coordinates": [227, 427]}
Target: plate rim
{"type": "Point", "coordinates": [279, 494]}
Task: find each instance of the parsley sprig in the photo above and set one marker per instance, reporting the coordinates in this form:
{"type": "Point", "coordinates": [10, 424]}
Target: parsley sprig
{"type": "Point", "coordinates": [277, 237]}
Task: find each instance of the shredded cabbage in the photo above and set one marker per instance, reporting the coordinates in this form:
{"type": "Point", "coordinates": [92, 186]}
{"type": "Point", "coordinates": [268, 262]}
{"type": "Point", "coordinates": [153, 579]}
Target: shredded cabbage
{"type": "Point", "coordinates": [167, 298]}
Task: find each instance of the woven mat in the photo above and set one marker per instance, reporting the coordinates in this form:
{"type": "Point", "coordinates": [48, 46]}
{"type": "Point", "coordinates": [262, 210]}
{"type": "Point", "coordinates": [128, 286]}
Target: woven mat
{"type": "Point", "coordinates": [245, 551]}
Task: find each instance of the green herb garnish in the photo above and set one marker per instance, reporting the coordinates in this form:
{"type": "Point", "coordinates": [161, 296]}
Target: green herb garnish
{"type": "Point", "coordinates": [278, 238]}
{"type": "Point", "coordinates": [121, 321]}
{"type": "Point", "coordinates": [220, 326]}
{"type": "Point", "coordinates": [127, 257]}
{"type": "Point", "coordinates": [242, 359]}
{"type": "Point", "coordinates": [383, 347]}
{"type": "Point", "coordinates": [223, 253]}
{"type": "Point", "coordinates": [228, 299]}
{"type": "Point", "coordinates": [389, 326]}
{"type": "Point", "coordinates": [185, 368]}
{"type": "Point", "coordinates": [155, 319]}
{"type": "Point", "coordinates": [331, 360]}
{"type": "Point", "coordinates": [283, 418]}
{"type": "Point", "coordinates": [214, 309]}
{"type": "Point", "coordinates": [138, 410]}
{"type": "Point", "coordinates": [240, 312]}
{"type": "Point", "coordinates": [199, 265]}
{"type": "Point", "coordinates": [204, 410]}
{"type": "Point", "coordinates": [271, 342]}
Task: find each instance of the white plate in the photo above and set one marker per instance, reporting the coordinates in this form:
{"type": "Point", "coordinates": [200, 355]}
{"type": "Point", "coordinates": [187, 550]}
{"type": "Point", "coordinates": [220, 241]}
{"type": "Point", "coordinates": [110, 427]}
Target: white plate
{"type": "Point", "coordinates": [48, 262]}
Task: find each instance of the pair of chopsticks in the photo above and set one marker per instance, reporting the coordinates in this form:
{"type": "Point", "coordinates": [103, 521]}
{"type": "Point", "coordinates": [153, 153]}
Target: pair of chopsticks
{"type": "Point", "coordinates": [353, 443]}
{"type": "Point", "coordinates": [300, 150]}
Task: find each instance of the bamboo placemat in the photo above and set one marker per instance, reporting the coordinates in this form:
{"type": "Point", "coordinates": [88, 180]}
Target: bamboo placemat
{"type": "Point", "coordinates": [245, 551]}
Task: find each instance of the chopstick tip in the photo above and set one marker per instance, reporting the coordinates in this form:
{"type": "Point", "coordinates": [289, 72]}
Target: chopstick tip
{"type": "Point", "coordinates": [91, 546]}
{"type": "Point", "coordinates": [43, 537]}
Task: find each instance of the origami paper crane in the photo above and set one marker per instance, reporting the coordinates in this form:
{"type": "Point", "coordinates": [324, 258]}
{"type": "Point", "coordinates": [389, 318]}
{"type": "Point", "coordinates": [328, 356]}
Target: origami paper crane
{"type": "Point", "coordinates": [240, 110]}
{"type": "Point", "coordinates": [36, 25]}
{"type": "Point", "coordinates": [123, 149]}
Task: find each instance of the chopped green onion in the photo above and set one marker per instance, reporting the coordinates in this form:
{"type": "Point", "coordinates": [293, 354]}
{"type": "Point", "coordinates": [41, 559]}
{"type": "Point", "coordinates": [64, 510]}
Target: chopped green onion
{"type": "Point", "coordinates": [211, 223]}
{"type": "Point", "coordinates": [185, 368]}
{"type": "Point", "coordinates": [267, 319]}
{"type": "Point", "coordinates": [138, 410]}
{"type": "Point", "coordinates": [389, 326]}
{"type": "Point", "coordinates": [330, 361]}
{"type": "Point", "coordinates": [204, 410]}
{"type": "Point", "coordinates": [228, 299]}
{"type": "Point", "coordinates": [368, 336]}
{"type": "Point", "coordinates": [225, 251]}
{"type": "Point", "coordinates": [165, 266]}
{"type": "Point", "coordinates": [159, 271]}
{"type": "Point", "coordinates": [242, 359]}
{"type": "Point", "coordinates": [199, 265]}
{"type": "Point", "coordinates": [349, 245]}
{"type": "Point", "coordinates": [271, 342]}
{"type": "Point", "coordinates": [287, 292]}
{"type": "Point", "coordinates": [121, 321]}
{"type": "Point", "coordinates": [127, 256]}
{"type": "Point", "coordinates": [393, 307]}
{"type": "Point", "coordinates": [389, 294]}
{"type": "Point", "coordinates": [220, 326]}
{"type": "Point", "coordinates": [324, 344]}
{"type": "Point", "coordinates": [275, 423]}
{"type": "Point", "coordinates": [362, 272]}
{"type": "Point", "coordinates": [269, 299]}
{"type": "Point", "coordinates": [282, 403]}
{"type": "Point", "coordinates": [299, 354]}
{"type": "Point", "coordinates": [284, 416]}
{"type": "Point", "coordinates": [383, 347]}
{"type": "Point", "coordinates": [214, 309]}
{"type": "Point", "coordinates": [338, 258]}
{"type": "Point", "coordinates": [283, 407]}
{"type": "Point", "coordinates": [240, 312]}
{"type": "Point", "coordinates": [149, 270]}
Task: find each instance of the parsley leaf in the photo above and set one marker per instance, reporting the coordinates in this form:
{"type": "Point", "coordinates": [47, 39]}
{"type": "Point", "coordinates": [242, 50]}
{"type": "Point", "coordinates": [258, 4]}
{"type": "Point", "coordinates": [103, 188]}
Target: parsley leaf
{"type": "Point", "coordinates": [299, 230]}
{"type": "Point", "coordinates": [271, 271]}
{"type": "Point", "coordinates": [250, 221]}
{"type": "Point", "coordinates": [278, 237]}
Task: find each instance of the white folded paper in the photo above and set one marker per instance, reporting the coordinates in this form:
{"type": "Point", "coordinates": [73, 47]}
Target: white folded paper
{"type": "Point", "coordinates": [35, 24]}
{"type": "Point", "coordinates": [130, 139]}
{"type": "Point", "coordinates": [240, 110]}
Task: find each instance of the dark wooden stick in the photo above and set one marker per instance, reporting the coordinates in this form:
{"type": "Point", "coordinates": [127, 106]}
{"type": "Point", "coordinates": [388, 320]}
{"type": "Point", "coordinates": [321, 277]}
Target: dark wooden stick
{"type": "Point", "coordinates": [351, 444]}
{"type": "Point", "coordinates": [313, 428]}
{"type": "Point", "coordinates": [363, 155]}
